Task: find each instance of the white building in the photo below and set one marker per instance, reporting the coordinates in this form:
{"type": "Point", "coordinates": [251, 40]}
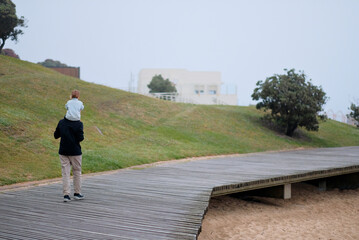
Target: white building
{"type": "Point", "coordinates": [192, 87]}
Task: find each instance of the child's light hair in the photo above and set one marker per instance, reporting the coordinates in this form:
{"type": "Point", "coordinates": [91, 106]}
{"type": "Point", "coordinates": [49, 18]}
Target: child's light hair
{"type": "Point", "coordinates": [75, 94]}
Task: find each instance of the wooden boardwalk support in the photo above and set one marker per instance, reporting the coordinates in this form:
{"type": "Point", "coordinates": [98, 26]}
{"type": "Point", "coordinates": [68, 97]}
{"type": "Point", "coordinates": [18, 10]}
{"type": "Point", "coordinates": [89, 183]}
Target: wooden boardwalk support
{"type": "Point", "coordinates": [163, 202]}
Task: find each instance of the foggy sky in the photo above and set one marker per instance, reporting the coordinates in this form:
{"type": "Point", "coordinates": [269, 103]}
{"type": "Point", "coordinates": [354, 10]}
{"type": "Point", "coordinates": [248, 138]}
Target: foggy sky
{"type": "Point", "coordinates": [246, 41]}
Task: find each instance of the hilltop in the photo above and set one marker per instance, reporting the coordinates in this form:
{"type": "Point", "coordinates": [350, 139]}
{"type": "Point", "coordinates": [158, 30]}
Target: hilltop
{"type": "Point", "coordinates": [135, 129]}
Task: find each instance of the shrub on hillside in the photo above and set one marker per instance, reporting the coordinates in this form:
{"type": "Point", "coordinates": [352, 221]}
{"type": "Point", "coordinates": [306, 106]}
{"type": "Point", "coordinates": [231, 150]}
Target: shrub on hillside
{"type": "Point", "coordinates": [354, 114]}
{"type": "Point", "coordinates": [291, 99]}
{"type": "Point", "coordinates": [9, 52]}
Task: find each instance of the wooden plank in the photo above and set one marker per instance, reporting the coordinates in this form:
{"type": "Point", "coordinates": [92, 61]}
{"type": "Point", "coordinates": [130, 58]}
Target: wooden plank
{"type": "Point", "coordinates": [163, 202]}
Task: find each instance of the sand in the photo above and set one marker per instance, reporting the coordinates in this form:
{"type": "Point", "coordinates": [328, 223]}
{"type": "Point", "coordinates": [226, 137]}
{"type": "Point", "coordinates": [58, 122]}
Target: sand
{"type": "Point", "coordinates": [309, 214]}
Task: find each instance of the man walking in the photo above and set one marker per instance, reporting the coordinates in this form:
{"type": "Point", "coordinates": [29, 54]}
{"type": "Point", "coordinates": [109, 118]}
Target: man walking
{"type": "Point", "coordinates": [71, 133]}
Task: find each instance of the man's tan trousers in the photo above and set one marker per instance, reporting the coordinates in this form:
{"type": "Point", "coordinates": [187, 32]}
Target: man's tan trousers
{"type": "Point", "coordinates": [66, 163]}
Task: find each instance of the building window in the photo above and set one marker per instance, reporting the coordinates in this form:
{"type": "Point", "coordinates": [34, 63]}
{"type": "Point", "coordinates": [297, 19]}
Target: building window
{"type": "Point", "coordinates": [212, 89]}
{"type": "Point", "coordinates": [199, 89]}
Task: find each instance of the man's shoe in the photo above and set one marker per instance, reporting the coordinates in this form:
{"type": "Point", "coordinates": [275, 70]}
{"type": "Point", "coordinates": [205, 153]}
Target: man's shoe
{"type": "Point", "coordinates": [67, 198]}
{"type": "Point", "coordinates": [78, 196]}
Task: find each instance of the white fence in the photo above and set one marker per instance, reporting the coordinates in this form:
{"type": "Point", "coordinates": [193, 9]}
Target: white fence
{"type": "Point", "coordinates": [175, 97]}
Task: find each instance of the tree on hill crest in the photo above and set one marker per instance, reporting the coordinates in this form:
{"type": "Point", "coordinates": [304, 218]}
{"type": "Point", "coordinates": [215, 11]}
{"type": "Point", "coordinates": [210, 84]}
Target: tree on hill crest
{"type": "Point", "coordinates": [9, 23]}
{"type": "Point", "coordinates": [161, 85]}
{"type": "Point", "coordinates": [52, 63]}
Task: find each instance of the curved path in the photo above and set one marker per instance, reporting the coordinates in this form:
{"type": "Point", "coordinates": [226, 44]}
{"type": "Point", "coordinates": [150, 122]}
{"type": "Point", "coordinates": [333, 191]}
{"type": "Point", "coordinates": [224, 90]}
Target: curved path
{"type": "Point", "coordinates": [163, 202]}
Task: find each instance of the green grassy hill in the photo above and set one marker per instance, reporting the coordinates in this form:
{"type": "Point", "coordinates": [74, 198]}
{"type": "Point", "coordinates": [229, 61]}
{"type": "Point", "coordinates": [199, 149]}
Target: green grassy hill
{"type": "Point", "coordinates": [136, 129]}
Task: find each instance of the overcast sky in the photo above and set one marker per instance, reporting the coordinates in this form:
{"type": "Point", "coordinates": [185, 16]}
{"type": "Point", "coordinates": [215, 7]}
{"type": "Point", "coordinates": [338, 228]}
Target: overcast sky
{"type": "Point", "coordinates": [246, 41]}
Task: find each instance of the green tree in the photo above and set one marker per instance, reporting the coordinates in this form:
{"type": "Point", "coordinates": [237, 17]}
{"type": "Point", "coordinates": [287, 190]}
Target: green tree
{"type": "Point", "coordinates": [160, 85]}
{"type": "Point", "coordinates": [9, 22]}
{"type": "Point", "coordinates": [291, 99]}
{"type": "Point", "coordinates": [52, 63]}
{"type": "Point", "coordinates": [354, 113]}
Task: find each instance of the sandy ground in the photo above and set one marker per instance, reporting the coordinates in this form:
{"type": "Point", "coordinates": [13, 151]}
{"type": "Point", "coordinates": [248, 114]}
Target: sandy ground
{"type": "Point", "coordinates": [310, 214]}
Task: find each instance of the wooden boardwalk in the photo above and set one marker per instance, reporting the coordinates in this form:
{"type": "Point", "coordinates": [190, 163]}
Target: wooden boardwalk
{"type": "Point", "coordinates": [163, 202]}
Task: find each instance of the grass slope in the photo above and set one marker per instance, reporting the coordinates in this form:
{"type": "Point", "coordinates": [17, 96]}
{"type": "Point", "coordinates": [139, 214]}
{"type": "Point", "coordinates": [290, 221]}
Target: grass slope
{"type": "Point", "coordinates": [136, 129]}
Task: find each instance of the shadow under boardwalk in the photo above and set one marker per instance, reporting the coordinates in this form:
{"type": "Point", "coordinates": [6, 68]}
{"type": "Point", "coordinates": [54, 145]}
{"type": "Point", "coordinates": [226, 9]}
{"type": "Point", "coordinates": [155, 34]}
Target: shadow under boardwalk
{"type": "Point", "coordinates": [163, 202]}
